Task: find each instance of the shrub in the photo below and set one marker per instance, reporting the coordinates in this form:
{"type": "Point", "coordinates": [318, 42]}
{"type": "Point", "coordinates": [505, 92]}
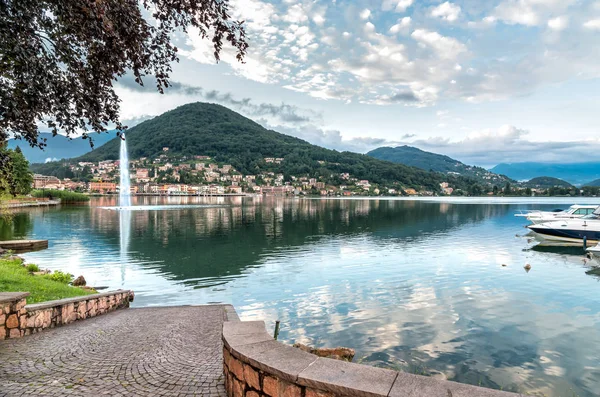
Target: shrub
{"type": "Point", "coordinates": [32, 267]}
{"type": "Point", "coordinates": [59, 276]}
{"type": "Point", "coordinates": [64, 195]}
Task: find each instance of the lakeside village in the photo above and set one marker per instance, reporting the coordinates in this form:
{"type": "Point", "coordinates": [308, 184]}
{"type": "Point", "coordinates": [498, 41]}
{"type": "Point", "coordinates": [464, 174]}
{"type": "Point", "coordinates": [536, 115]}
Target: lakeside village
{"type": "Point", "coordinates": [201, 175]}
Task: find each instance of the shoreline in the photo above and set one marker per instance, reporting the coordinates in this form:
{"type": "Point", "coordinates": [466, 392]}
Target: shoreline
{"type": "Point", "coordinates": [25, 204]}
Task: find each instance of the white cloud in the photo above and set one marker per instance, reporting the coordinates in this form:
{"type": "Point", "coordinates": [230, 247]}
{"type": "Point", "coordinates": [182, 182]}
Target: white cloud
{"type": "Point", "coordinates": [510, 145]}
{"type": "Point", "coordinates": [364, 14]}
{"type": "Point", "coordinates": [593, 24]}
{"type": "Point", "coordinates": [558, 23]}
{"type": "Point", "coordinates": [295, 14]}
{"type": "Point", "coordinates": [448, 11]}
{"type": "Point", "coordinates": [396, 5]}
{"type": "Point", "coordinates": [445, 47]}
{"type": "Point", "coordinates": [529, 12]}
{"type": "Point", "coordinates": [401, 25]}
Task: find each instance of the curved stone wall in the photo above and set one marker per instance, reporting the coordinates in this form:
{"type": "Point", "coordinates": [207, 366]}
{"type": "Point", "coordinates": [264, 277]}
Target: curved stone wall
{"type": "Point", "coordinates": [254, 365]}
{"type": "Point", "coordinates": [17, 318]}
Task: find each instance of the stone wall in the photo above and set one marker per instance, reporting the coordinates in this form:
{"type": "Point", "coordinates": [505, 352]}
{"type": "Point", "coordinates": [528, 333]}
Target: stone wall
{"type": "Point", "coordinates": [255, 365]}
{"type": "Point", "coordinates": [19, 319]}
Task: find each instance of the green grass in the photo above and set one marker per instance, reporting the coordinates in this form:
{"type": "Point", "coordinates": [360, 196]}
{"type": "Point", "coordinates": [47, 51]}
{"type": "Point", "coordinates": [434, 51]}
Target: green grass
{"type": "Point", "coordinates": [16, 278]}
{"type": "Point", "coordinates": [65, 195]}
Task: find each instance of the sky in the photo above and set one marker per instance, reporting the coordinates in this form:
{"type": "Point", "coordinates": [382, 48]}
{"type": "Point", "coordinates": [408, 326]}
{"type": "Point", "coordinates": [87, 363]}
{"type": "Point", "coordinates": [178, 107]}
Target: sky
{"type": "Point", "coordinates": [481, 81]}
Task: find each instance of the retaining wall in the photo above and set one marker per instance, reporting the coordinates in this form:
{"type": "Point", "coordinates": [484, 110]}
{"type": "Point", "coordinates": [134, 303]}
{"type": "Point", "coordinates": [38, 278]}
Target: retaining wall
{"type": "Point", "coordinates": [256, 365]}
{"type": "Point", "coordinates": [18, 319]}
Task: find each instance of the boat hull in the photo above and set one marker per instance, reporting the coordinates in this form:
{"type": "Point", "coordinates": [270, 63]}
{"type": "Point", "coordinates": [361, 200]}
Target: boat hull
{"type": "Point", "coordinates": [568, 235]}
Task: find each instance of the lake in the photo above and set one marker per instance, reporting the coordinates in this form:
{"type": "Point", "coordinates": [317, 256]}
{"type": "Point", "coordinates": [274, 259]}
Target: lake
{"type": "Point", "coordinates": [413, 285]}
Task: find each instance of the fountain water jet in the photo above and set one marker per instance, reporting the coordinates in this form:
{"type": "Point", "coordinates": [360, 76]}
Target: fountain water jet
{"type": "Point", "coordinates": [124, 184]}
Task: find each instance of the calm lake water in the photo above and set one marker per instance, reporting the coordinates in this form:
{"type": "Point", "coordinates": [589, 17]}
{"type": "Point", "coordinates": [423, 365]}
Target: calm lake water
{"type": "Point", "coordinates": [411, 285]}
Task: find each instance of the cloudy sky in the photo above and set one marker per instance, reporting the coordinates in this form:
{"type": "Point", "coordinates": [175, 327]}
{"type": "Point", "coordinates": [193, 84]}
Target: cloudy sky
{"type": "Point", "coordinates": [482, 81]}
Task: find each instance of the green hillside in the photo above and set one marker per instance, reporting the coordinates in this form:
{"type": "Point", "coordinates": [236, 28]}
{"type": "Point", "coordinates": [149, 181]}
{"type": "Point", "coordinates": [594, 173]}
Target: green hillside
{"type": "Point", "coordinates": [595, 183]}
{"type": "Point", "coordinates": [415, 157]}
{"type": "Point", "coordinates": [228, 137]}
{"type": "Point", "coordinates": [545, 182]}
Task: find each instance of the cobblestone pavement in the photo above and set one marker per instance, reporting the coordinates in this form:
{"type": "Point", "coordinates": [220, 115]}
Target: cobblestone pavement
{"type": "Point", "coordinates": [167, 351]}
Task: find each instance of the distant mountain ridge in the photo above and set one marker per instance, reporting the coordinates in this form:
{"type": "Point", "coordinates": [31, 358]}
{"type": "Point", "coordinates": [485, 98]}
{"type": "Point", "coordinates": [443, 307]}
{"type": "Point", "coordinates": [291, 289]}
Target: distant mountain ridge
{"type": "Point", "coordinates": [59, 147]}
{"type": "Point", "coordinates": [416, 157]}
{"type": "Point", "coordinates": [595, 183]}
{"type": "Point", "coordinates": [575, 173]}
{"type": "Point", "coordinates": [545, 182]}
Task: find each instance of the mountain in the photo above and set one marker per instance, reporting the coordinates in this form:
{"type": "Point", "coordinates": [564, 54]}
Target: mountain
{"type": "Point", "coordinates": [595, 183]}
{"type": "Point", "coordinates": [59, 147]}
{"type": "Point", "coordinates": [415, 157]}
{"type": "Point", "coordinates": [228, 137]}
{"type": "Point", "coordinates": [545, 182]}
{"type": "Point", "coordinates": [575, 173]}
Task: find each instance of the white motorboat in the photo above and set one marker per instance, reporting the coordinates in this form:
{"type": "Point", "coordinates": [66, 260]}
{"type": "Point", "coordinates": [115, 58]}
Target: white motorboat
{"type": "Point", "coordinates": [595, 250]}
{"type": "Point", "coordinates": [571, 230]}
{"type": "Point", "coordinates": [573, 212]}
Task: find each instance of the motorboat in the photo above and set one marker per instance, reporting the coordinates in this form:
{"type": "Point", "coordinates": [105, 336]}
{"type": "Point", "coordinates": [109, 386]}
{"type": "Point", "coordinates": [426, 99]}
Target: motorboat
{"type": "Point", "coordinates": [573, 212]}
{"type": "Point", "coordinates": [595, 250]}
{"type": "Point", "coordinates": [571, 230]}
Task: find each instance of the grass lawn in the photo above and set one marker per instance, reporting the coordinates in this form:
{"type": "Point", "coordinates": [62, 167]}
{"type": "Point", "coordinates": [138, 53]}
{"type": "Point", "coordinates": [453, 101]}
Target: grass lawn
{"type": "Point", "coordinates": [15, 278]}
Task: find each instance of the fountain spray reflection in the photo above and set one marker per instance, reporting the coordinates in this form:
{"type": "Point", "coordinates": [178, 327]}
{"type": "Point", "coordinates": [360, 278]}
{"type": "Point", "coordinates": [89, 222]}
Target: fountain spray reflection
{"type": "Point", "coordinates": [125, 233]}
{"type": "Point", "coordinates": [124, 184]}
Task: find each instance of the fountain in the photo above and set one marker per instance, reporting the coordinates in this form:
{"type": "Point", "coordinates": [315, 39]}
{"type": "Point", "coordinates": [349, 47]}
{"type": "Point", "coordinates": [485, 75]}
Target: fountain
{"type": "Point", "coordinates": [124, 185]}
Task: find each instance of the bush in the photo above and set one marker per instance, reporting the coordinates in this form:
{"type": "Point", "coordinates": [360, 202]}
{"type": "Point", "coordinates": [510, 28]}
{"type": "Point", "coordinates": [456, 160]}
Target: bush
{"type": "Point", "coordinates": [60, 277]}
{"type": "Point", "coordinates": [32, 267]}
{"type": "Point", "coordinates": [64, 195]}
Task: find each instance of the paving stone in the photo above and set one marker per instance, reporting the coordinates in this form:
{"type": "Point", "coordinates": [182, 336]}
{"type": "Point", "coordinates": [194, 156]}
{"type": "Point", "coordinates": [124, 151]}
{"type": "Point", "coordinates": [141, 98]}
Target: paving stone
{"type": "Point", "coordinates": [169, 351]}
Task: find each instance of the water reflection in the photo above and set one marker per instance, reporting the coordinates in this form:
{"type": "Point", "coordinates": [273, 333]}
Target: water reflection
{"type": "Point", "coordinates": [124, 234]}
{"type": "Point", "coordinates": [413, 285]}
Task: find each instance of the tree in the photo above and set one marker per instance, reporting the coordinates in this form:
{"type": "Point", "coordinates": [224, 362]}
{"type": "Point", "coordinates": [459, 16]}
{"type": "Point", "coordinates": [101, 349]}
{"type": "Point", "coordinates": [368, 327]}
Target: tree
{"type": "Point", "coordinates": [59, 58]}
{"type": "Point", "coordinates": [22, 178]}
{"type": "Point", "coordinates": [507, 190]}
{"type": "Point", "coordinates": [16, 178]}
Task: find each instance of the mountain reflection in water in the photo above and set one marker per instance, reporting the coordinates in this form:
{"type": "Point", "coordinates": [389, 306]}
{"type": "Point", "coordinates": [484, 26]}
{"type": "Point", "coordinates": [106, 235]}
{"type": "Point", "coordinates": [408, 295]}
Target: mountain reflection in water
{"type": "Point", "coordinates": [413, 285]}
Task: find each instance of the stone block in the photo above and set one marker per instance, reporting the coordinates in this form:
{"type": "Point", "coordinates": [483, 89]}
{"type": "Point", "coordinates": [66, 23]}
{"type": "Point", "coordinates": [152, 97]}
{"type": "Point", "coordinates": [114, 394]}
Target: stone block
{"type": "Point", "coordinates": [282, 361]}
{"type": "Point", "coordinates": [243, 327]}
{"type": "Point", "coordinates": [12, 321]}
{"type": "Point", "coordinates": [408, 385]}
{"type": "Point", "coordinates": [81, 311]}
{"type": "Point", "coordinates": [23, 321]}
{"type": "Point", "coordinates": [270, 386]}
{"type": "Point", "coordinates": [340, 377]}
{"type": "Point", "coordinates": [229, 385]}
{"type": "Point", "coordinates": [238, 388]}
{"type": "Point", "coordinates": [289, 390]}
{"type": "Point", "coordinates": [237, 369]}
{"type": "Point", "coordinates": [251, 377]}
{"type": "Point", "coordinates": [2, 333]}
{"type": "Point", "coordinates": [252, 394]}
{"type": "Point", "coordinates": [47, 318]}
{"type": "Point", "coordinates": [235, 341]}
{"type": "Point", "coordinates": [2, 319]}
{"type": "Point", "coordinates": [20, 304]}
{"type": "Point", "coordinates": [245, 352]}
{"type": "Point", "coordinates": [14, 333]}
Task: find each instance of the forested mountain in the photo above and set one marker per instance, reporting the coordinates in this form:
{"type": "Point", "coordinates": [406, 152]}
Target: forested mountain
{"type": "Point", "coordinates": [59, 147]}
{"type": "Point", "coordinates": [545, 182]}
{"type": "Point", "coordinates": [575, 173]}
{"type": "Point", "coordinates": [228, 137]}
{"type": "Point", "coordinates": [415, 157]}
{"type": "Point", "coordinates": [595, 183]}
